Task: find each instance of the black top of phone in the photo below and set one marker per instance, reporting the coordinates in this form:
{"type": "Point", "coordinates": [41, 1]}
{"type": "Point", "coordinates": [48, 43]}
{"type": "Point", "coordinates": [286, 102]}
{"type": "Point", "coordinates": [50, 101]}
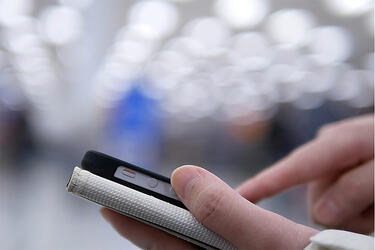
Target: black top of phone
{"type": "Point", "coordinates": [125, 173]}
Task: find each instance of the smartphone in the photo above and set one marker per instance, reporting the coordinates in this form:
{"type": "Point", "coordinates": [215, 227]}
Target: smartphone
{"type": "Point", "coordinates": [131, 176]}
{"type": "Point", "coordinates": [140, 194]}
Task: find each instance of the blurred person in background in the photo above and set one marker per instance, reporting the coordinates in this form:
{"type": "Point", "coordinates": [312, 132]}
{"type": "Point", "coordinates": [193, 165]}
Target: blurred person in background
{"type": "Point", "coordinates": [337, 166]}
{"type": "Point", "coordinates": [16, 140]}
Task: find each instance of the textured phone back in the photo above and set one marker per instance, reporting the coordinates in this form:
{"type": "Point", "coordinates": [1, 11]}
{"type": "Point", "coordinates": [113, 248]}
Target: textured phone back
{"type": "Point", "coordinates": [143, 207]}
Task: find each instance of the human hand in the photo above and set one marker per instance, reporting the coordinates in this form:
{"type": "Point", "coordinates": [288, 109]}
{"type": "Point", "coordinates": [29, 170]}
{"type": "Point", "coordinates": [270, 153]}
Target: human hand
{"type": "Point", "coordinates": [338, 166]}
{"type": "Point", "coordinates": [220, 209]}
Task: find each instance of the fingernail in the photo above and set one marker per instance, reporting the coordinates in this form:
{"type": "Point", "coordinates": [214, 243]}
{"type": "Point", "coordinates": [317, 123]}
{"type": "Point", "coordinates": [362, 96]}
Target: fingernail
{"type": "Point", "coordinates": [183, 178]}
{"type": "Point", "coordinates": [326, 212]}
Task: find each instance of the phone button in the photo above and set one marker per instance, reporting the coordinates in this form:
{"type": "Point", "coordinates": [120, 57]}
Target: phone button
{"type": "Point", "coordinates": [152, 182]}
{"type": "Point", "coordinates": [128, 173]}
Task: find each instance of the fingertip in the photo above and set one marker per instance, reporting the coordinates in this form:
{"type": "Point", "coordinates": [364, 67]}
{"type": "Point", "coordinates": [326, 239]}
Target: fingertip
{"type": "Point", "coordinates": [106, 214]}
{"type": "Point", "coordinates": [104, 210]}
{"type": "Point", "coordinates": [182, 176]}
{"type": "Point", "coordinates": [182, 168]}
{"type": "Point", "coordinates": [254, 189]}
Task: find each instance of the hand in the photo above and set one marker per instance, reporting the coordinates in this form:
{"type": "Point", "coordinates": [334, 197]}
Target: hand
{"type": "Point", "coordinates": [339, 168]}
{"type": "Point", "coordinates": [220, 209]}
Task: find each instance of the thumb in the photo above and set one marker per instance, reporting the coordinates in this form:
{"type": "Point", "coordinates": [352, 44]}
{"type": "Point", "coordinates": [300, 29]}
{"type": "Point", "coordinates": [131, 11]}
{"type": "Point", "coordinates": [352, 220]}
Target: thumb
{"type": "Point", "coordinates": [225, 212]}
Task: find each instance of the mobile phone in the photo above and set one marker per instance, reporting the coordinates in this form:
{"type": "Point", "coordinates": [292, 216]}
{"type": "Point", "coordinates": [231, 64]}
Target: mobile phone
{"type": "Point", "coordinates": [130, 175]}
{"type": "Point", "coordinates": [140, 194]}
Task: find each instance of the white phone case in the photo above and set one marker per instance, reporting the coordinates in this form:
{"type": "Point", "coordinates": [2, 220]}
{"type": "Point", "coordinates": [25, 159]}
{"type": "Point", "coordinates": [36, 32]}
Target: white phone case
{"type": "Point", "coordinates": [145, 208]}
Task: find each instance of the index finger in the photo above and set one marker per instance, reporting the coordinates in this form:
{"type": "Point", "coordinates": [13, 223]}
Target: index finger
{"type": "Point", "coordinates": [334, 151]}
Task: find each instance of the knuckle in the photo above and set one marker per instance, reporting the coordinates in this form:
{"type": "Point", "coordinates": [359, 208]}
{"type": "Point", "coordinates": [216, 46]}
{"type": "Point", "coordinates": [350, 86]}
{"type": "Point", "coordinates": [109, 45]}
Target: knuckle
{"type": "Point", "coordinates": [332, 129]}
{"type": "Point", "coordinates": [353, 188]}
{"type": "Point", "coordinates": [299, 150]}
{"type": "Point", "coordinates": [335, 128]}
{"type": "Point", "coordinates": [209, 205]}
{"type": "Point", "coordinates": [325, 129]}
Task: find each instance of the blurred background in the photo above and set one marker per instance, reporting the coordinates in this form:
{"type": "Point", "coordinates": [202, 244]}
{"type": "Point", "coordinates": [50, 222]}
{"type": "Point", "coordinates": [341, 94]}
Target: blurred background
{"type": "Point", "coordinates": [229, 85]}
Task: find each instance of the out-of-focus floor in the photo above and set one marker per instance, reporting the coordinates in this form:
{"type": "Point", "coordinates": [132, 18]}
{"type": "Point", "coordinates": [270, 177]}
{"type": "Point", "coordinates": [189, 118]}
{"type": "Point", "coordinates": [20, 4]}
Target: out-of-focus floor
{"type": "Point", "coordinates": [37, 213]}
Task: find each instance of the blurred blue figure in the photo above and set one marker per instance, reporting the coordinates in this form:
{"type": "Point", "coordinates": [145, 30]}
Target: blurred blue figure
{"type": "Point", "coordinates": [134, 129]}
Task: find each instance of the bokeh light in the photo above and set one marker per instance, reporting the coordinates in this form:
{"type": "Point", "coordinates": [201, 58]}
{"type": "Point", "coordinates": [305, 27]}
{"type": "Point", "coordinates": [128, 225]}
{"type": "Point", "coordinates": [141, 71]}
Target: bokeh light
{"type": "Point", "coordinates": [136, 32]}
{"type": "Point", "coordinates": [349, 8]}
{"type": "Point", "coordinates": [251, 51]}
{"type": "Point", "coordinates": [211, 32]}
{"type": "Point", "coordinates": [22, 42]}
{"type": "Point", "coordinates": [61, 24]}
{"type": "Point", "coordinates": [242, 13]}
{"type": "Point", "coordinates": [10, 10]}
{"type": "Point", "coordinates": [132, 51]}
{"type": "Point", "coordinates": [331, 44]}
{"type": "Point", "coordinates": [79, 4]}
{"type": "Point", "coordinates": [365, 94]}
{"type": "Point", "coordinates": [347, 83]}
{"type": "Point", "coordinates": [290, 26]}
{"type": "Point", "coordinates": [186, 45]}
{"type": "Point", "coordinates": [13, 34]}
{"type": "Point", "coordinates": [159, 18]}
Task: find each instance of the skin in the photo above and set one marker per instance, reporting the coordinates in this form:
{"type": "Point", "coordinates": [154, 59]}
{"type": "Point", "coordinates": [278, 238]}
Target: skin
{"type": "Point", "coordinates": [337, 166]}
